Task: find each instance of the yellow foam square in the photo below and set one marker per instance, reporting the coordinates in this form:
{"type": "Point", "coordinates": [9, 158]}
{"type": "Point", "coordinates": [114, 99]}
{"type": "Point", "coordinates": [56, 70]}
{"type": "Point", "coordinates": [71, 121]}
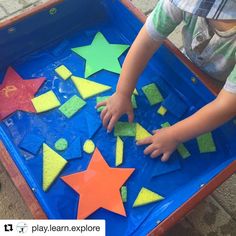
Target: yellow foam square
{"type": "Point", "coordinates": [45, 102]}
{"type": "Point", "coordinates": [63, 72]}
{"type": "Point", "coordinates": [162, 111]}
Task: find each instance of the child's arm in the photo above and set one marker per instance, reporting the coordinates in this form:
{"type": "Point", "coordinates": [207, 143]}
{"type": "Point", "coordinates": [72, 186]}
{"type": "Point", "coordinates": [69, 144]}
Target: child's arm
{"type": "Point", "coordinates": [211, 116]}
{"type": "Point", "coordinates": [120, 102]}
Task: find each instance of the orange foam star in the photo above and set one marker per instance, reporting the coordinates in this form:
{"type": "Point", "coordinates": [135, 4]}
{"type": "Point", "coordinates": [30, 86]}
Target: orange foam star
{"type": "Point", "coordinates": [99, 186]}
{"type": "Point", "coordinates": [16, 93]}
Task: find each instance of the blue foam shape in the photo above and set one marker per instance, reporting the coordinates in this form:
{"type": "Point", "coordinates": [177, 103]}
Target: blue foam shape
{"type": "Point", "coordinates": [93, 123]}
{"type": "Point", "coordinates": [174, 104]}
{"type": "Point", "coordinates": [74, 150]}
{"type": "Point", "coordinates": [161, 168]}
{"type": "Point", "coordinates": [31, 143]}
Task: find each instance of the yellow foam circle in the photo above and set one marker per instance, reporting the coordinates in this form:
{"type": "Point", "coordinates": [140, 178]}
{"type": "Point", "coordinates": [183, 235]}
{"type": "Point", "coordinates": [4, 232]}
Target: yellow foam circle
{"type": "Point", "coordinates": [63, 72]}
{"type": "Point", "coordinates": [46, 102]}
{"type": "Point", "coordinates": [88, 88]}
{"type": "Point", "coordinates": [89, 146]}
{"type": "Point", "coordinates": [119, 151]}
{"type": "Point", "coordinates": [146, 196]}
{"type": "Point", "coordinates": [53, 164]}
{"type": "Point", "coordinates": [141, 133]}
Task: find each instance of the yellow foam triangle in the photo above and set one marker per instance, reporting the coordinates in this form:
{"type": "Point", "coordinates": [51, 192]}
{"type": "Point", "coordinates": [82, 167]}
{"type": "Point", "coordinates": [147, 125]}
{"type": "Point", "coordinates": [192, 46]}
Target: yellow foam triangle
{"type": "Point", "coordinates": [119, 151]}
{"type": "Point", "coordinates": [88, 88]}
{"type": "Point", "coordinates": [53, 164]}
{"type": "Point", "coordinates": [146, 196]}
{"type": "Point", "coordinates": [141, 133]}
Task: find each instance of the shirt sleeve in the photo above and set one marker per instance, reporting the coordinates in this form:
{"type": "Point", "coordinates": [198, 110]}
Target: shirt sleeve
{"type": "Point", "coordinates": [163, 20]}
{"type": "Point", "coordinates": [230, 84]}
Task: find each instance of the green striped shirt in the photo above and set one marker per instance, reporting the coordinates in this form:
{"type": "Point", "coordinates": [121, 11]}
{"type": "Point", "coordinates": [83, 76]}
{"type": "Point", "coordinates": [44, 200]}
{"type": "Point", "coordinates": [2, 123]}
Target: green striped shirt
{"type": "Point", "coordinates": [211, 50]}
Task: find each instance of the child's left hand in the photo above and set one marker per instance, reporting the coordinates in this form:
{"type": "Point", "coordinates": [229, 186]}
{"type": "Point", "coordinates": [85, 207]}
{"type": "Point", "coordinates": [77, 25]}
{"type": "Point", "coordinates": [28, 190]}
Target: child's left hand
{"type": "Point", "coordinates": [162, 142]}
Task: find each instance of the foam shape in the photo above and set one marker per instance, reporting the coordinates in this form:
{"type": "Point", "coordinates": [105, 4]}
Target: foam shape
{"type": "Point", "coordinates": [206, 143]}
{"type": "Point", "coordinates": [119, 151]}
{"type": "Point", "coordinates": [46, 102]}
{"type": "Point", "coordinates": [146, 196]}
{"type": "Point", "coordinates": [175, 105]}
{"type": "Point", "coordinates": [63, 72]}
{"type": "Point", "coordinates": [89, 146]}
{"type": "Point", "coordinates": [74, 150]}
{"type": "Point", "coordinates": [93, 123]}
{"type": "Point", "coordinates": [31, 143]}
{"type": "Point", "coordinates": [141, 133]}
{"type": "Point", "coordinates": [165, 125]}
{"type": "Point", "coordinates": [183, 151]}
{"type": "Point", "coordinates": [135, 92]}
{"type": "Point", "coordinates": [16, 93]}
{"type": "Point", "coordinates": [161, 168]}
{"type": "Point", "coordinates": [134, 103]}
{"type": "Point", "coordinates": [101, 55]}
{"type": "Point", "coordinates": [125, 129]}
{"type": "Point", "coordinates": [88, 88]}
{"type": "Point", "coordinates": [162, 111]}
{"type": "Point", "coordinates": [53, 164]}
{"type": "Point", "coordinates": [101, 99]}
{"type": "Point", "coordinates": [73, 105]}
{"type": "Point", "coordinates": [153, 94]}
{"type": "Point", "coordinates": [61, 144]}
{"type": "Point", "coordinates": [99, 186]}
{"type": "Point", "coordinates": [124, 193]}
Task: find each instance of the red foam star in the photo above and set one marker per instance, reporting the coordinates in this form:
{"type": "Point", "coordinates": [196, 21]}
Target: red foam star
{"type": "Point", "coordinates": [99, 186]}
{"type": "Point", "coordinates": [16, 93]}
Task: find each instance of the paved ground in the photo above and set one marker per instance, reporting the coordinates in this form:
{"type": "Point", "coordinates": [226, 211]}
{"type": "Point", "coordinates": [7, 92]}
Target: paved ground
{"type": "Point", "coordinates": [215, 216]}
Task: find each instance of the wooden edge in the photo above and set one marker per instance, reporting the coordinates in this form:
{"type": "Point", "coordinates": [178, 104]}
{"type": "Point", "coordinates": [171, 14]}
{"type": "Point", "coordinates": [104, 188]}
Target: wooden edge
{"type": "Point", "coordinates": [28, 12]}
{"type": "Point", "coordinates": [204, 78]}
{"type": "Point", "coordinates": [193, 201]}
{"type": "Point", "coordinates": [21, 184]}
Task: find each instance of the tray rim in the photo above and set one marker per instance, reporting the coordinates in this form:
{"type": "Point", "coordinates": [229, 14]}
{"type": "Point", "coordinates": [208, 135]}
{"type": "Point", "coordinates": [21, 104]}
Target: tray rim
{"type": "Point", "coordinates": [27, 193]}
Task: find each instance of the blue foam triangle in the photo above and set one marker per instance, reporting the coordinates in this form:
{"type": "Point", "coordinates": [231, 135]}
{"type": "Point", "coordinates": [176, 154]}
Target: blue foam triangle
{"type": "Point", "coordinates": [31, 143]}
{"type": "Point", "coordinates": [161, 168]}
{"type": "Point", "coordinates": [93, 123]}
{"type": "Point", "coordinates": [74, 150]}
{"type": "Point", "coordinates": [175, 105]}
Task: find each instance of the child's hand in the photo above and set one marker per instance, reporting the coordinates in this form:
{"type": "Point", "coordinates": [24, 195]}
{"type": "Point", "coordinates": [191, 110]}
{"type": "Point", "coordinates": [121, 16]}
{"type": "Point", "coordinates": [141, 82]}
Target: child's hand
{"type": "Point", "coordinates": [162, 142]}
{"type": "Point", "coordinates": [117, 105]}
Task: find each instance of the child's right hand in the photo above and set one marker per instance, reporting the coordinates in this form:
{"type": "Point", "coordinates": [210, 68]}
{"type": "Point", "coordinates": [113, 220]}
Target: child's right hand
{"type": "Point", "coordinates": [116, 106]}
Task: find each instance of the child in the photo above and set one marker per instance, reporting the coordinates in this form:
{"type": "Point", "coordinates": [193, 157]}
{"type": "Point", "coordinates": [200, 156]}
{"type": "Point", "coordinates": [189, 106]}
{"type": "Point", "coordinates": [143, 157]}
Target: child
{"type": "Point", "coordinates": [209, 37]}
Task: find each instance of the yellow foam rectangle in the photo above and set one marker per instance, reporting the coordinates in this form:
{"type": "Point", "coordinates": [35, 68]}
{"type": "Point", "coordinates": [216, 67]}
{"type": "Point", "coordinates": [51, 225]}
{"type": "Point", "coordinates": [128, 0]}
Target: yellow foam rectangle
{"type": "Point", "coordinates": [119, 151]}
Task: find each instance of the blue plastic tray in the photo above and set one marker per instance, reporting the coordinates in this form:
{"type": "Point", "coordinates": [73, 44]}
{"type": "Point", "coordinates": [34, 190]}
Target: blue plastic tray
{"type": "Point", "coordinates": [52, 36]}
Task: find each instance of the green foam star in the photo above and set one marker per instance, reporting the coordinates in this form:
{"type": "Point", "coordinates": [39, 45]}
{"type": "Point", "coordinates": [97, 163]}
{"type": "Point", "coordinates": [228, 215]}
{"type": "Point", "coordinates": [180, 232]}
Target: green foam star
{"type": "Point", "coordinates": [101, 55]}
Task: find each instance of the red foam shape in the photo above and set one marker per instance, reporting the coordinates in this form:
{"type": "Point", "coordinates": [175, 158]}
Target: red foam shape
{"type": "Point", "coordinates": [16, 93]}
{"type": "Point", "coordinates": [99, 186]}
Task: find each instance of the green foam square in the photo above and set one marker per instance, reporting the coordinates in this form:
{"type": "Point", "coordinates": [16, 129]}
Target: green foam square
{"type": "Point", "coordinates": [73, 105]}
{"type": "Point", "coordinates": [206, 143]}
{"type": "Point", "coordinates": [45, 102]}
{"type": "Point", "coordinates": [101, 99]}
{"type": "Point", "coordinates": [125, 129]}
{"type": "Point", "coordinates": [162, 111]}
{"type": "Point", "coordinates": [153, 94]}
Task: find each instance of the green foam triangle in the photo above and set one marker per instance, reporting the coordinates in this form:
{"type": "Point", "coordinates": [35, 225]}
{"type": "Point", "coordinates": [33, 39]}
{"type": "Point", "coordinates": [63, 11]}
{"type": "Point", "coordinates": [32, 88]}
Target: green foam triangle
{"type": "Point", "coordinates": [88, 88]}
{"type": "Point", "coordinates": [53, 164]}
{"type": "Point", "coordinates": [141, 133]}
{"type": "Point", "coordinates": [146, 196]}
